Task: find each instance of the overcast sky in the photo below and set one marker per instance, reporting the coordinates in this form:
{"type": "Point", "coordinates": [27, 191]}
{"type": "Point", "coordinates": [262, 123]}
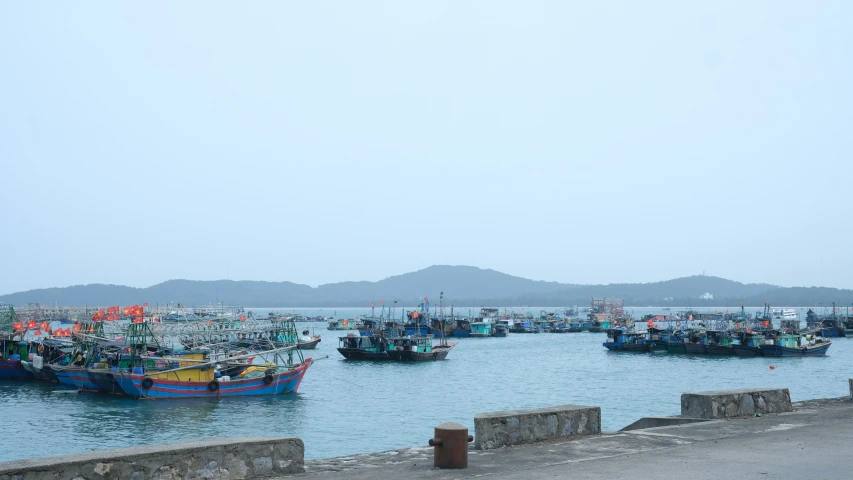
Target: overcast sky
{"type": "Point", "coordinates": [583, 142]}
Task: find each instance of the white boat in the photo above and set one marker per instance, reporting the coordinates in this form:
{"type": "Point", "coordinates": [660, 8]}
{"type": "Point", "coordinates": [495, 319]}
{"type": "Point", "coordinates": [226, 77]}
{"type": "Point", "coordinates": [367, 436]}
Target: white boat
{"type": "Point", "coordinates": [785, 314]}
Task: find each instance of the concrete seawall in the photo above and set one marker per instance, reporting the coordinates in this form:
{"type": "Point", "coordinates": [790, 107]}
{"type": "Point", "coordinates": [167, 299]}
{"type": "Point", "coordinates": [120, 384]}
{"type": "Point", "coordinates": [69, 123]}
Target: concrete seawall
{"type": "Point", "coordinates": [517, 427]}
{"type": "Point", "coordinates": [231, 458]}
{"type": "Point", "coordinates": [735, 403]}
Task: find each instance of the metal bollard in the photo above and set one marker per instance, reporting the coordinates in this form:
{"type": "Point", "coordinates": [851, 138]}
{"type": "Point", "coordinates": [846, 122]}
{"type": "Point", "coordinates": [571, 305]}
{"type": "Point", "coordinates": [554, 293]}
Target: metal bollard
{"type": "Point", "coordinates": [451, 445]}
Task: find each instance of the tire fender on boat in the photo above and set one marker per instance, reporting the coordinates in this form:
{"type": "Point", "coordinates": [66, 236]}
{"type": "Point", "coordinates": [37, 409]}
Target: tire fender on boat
{"type": "Point", "coordinates": [147, 382]}
{"type": "Point", "coordinates": [268, 379]}
{"type": "Point", "coordinates": [213, 386]}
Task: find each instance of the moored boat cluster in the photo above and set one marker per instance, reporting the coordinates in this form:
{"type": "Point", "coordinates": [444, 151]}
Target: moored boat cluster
{"type": "Point", "coordinates": [143, 354]}
{"type": "Point", "coordinates": [727, 334]}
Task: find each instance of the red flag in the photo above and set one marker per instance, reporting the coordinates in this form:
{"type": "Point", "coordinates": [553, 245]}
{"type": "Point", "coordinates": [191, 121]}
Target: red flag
{"type": "Point", "coordinates": [77, 327]}
{"type": "Point", "coordinates": [138, 320]}
{"type": "Point", "coordinates": [145, 304]}
{"type": "Point", "coordinates": [44, 326]}
{"type": "Point", "coordinates": [18, 325]}
{"type": "Point", "coordinates": [32, 324]}
{"type": "Point", "coordinates": [37, 332]}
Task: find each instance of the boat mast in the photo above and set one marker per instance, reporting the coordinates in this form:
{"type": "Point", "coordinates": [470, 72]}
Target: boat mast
{"type": "Point", "coordinates": [441, 308]}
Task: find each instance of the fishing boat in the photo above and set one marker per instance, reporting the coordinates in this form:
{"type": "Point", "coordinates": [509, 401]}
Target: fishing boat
{"type": "Point", "coordinates": [675, 342]}
{"type": "Point", "coordinates": [481, 329]}
{"type": "Point", "coordinates": [307, 342]}
{"type": "Point", "coordinates": [197, 382]}
{"type": "Point", "coordinates": [10, 363]}
{"type": "Point", "coordinates": [831, 327]}
{"type": "Point", "coordinates": [400, 349]}
{"type": "Point", "coordinates": [522, 325]}
{"type": "Point", "coordinates": [343, 324]}
{"type": "Point", "coordinates": [620, 340]}
{"type": "Point", "coordinates": [574, 325]}
{"type": "Point", "coordinates": [198, 374]}
{"type": "Point", "coordinates": [790, 345]}
{"type": "Point", "coordinates": [418, 322]}
{"type": "Point", "coordinates": [697, 344]}
{"type": "Point", "coordinates": [500, 330]}
{"type": "Point", "coordinates": [657, 339]}
{"type": "Point", "coordinates": [461, 328]}
{"type": "Point", "coordinates": [749, 345]}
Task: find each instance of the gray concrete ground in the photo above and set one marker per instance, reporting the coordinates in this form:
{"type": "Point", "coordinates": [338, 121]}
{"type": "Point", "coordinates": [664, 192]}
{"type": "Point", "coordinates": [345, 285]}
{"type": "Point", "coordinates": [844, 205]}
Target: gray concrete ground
{"type": "Point", "coordinates": [813, 442]}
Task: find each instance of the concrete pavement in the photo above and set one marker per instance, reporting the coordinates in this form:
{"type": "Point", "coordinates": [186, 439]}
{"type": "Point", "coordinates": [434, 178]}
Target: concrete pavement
{"type": "Point", "coordinates": [810, 443]}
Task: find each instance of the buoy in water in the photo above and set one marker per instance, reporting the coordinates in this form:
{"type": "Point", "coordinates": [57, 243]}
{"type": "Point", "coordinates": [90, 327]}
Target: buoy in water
{"type": "Point", "coordinates": [772, 367]}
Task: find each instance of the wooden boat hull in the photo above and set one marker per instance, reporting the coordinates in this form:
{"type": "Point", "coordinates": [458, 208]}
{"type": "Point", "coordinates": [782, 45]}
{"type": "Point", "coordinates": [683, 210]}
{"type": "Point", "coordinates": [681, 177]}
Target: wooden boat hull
{"type": "Point", "coordinates": [307, 345]}
{"type": "Point", "coordinates": [817, 350]}
{"type": "Point", "coordinates": [746, 351]}
{"type": "Point", "coordinates": [35, 372]}
{"type": "Point", "coordinates": [362, 354]}
{"type": "Point", "coordinates": [627, 347]}
{"type": "Point", "coordinates": [80, 379]}
{"type": "Point", "coordinates": [696, 348]}
{"type": "Point", "coordinates": [105, 381]}
{"type": "Point", "coordinates": [658, 346]}
{"type": "Point", "coordinates": [720, 350]}
{"type": "Point", "coordinates": [480, 335]}
{"type": "Point", "coordinates": [676, 347]}
{"type": "Point", "coordinates": [460, 333]}
{"type": "Point", "coordinates": [831, 332]}
{"type": "Point", "coordinates": [439, 352]}
{"type": "Point", "coordinates": [596, 329]}
{"type": "Point", "coordinates": [418, 330]}
{"type": "Point", "coordinates": [500, 334]}
{"type": "Point", "coordinates": [275, 384]}
{"type": "Point", "coordinates": [62, 376]}
{"type": "Point", "coordinates": [13, 370]}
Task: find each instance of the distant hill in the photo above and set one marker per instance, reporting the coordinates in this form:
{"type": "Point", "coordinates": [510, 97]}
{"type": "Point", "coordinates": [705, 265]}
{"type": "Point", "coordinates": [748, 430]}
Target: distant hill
{"type": "Point", "coordinates": [462, 285]}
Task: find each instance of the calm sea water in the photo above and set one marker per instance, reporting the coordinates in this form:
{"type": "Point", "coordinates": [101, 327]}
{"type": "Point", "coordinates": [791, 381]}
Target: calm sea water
{"type": "Point", "coordinates": [345, 407]}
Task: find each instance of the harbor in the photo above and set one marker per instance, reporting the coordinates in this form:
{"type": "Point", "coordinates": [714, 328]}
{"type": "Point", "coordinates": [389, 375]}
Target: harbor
{"type": "Point", "coordinates": [516, 371]}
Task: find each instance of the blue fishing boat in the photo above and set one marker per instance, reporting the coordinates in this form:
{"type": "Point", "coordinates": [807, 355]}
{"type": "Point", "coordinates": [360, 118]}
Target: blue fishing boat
{"type": "Point", "coordinates": [461, 328]}
{"type": "Point", "coordinates": [10, 363]}
{"type": "Point", "coordinates": [620, 340]}
{"type": "Point", "coordinates": [196, 374]}
{"type": "Point", "coordinates": [831, 327]}
{"type": "Point", "coordinates": [196, 382]}
{"type": "Point", "coordinates": [418, 321]}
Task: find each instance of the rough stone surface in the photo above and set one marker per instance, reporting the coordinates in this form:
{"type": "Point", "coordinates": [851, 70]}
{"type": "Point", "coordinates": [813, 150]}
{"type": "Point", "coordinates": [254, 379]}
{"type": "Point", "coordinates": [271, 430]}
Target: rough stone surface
{"type": "Point", "coordinates": [227, 458]}
{"type": "Point", "coordinates": [515, 427]}
{"type": "Point", "coordinates": [735, 403]}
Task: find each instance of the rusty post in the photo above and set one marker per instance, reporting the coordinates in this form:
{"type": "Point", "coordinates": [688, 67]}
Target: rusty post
{"type": "Point", "coordinates": [451, 445]}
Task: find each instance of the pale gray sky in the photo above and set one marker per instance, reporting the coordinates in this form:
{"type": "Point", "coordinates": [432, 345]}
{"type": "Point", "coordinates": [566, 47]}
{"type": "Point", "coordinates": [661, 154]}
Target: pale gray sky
{"type": "Point", "coordinates": [587, 142]}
